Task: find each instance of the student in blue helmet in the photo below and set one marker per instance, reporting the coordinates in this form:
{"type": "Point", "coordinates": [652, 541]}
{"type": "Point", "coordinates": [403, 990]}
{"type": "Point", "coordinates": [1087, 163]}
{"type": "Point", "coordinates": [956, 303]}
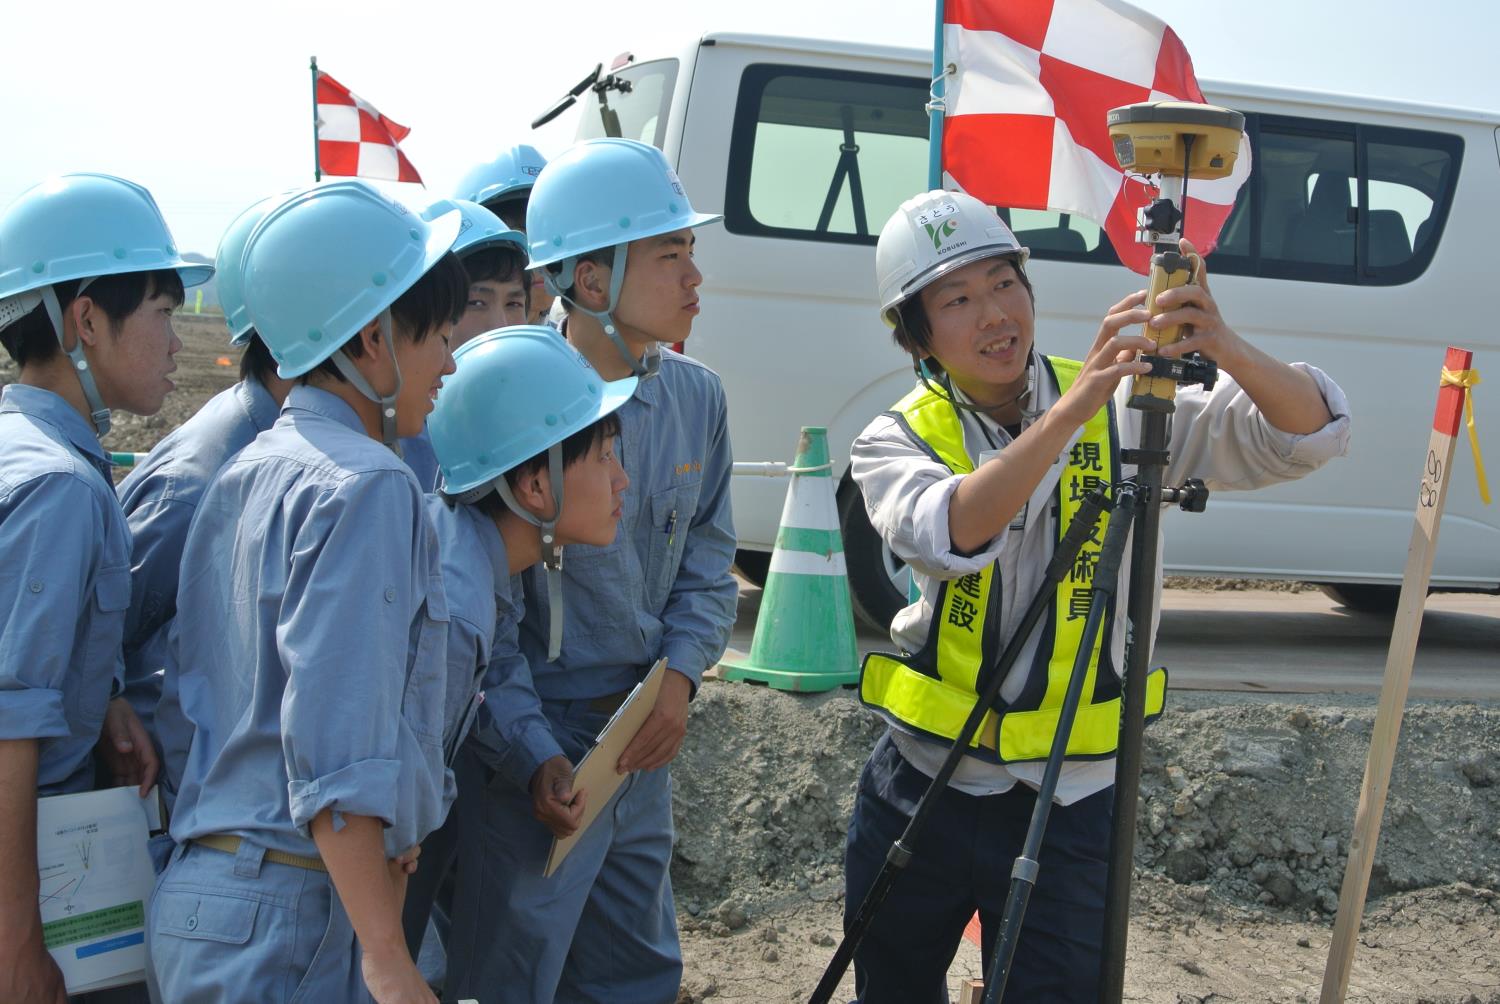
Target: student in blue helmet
{"type": "Point", "coordinates": [312, 626]}
{"type": "Point", "coordinates": [161, 494]}
{"type": "Point", "coordinates": [503, 186]}
{"type": "Point", "coordinates": [525, 433]}
{"type": "Point", "coordinates": [89, 277]}
{"type": "Point", "coordinates": [610, 223]}
{"type": "Point", "coordinates": [494, 262]}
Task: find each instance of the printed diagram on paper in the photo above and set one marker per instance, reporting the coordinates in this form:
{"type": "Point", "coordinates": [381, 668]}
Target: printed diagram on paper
{"type": "Point", "coordinates": [94, 876]}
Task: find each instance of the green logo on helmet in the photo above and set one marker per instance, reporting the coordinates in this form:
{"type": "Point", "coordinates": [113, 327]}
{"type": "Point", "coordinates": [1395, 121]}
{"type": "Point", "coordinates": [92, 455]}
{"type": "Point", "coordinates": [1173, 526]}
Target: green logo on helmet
{"type": "Point", "coordinates": [940, 232]}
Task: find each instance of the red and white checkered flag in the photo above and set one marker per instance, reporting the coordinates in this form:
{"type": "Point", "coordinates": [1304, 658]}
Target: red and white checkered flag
{"type": "Point", "coordinates": [355, 139]}
{"type": "Point", "coordinates": [1025, 126]}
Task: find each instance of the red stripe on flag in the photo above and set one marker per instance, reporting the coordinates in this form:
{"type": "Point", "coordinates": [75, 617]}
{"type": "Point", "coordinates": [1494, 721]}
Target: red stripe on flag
{"type": "Point", "coordinates": [331, 92]}
{"type": "Point", "coordinates": [1174, 70]}
{"type": "Point", "coordinates": [338, 158]}
{"type": "Point", "coordinates": [370, 129]}
{"type": "Point", "coordinates": [1083, 98]}
{"type": "Point", "coordinates": [1015, 151]}
{"type": "Point", "coordinates": [406, 171]}
{"type": "Point", "coordinates": [1025, 22]}
{"type": "Point", "coordinates": [1120, 226]}
{"type": "Point", "coordinates": [1450, 403]}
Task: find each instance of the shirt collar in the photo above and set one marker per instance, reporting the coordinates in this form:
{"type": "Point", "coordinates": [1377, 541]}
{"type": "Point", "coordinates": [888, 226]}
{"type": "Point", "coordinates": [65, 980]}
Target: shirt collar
{"type": "Point", "coordinates": [320, 402]}
{"type": "Point", "coordinates": [494, 545]}
{"type": "Point", "coordinates": [54, 409]}
{"type": "Point", "coordinates": [258, 404]}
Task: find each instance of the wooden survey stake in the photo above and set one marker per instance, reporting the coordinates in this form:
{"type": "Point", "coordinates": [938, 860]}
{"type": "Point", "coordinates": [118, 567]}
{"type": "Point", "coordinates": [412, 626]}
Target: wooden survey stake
{"type": "Point", "coordinates": [1398, 664]}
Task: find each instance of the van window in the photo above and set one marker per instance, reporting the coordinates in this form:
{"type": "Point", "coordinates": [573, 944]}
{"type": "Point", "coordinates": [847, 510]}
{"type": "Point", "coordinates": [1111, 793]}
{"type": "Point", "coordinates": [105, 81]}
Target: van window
{"type": "Point", "coordinates": [823, 155]}
{"type": "Point", "coordinates": [1339, 202]}
{"type": "Point", "coordinates": [633, 108]}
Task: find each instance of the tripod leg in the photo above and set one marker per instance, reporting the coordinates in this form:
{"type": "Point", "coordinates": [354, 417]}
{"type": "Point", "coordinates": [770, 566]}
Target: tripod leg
{"type": "Point", "coordinates": [1142, 610]}
{"type": "Point", "coordinates": [1079, 530]}
{"type": "Point", "coordinates": [1024, 873]}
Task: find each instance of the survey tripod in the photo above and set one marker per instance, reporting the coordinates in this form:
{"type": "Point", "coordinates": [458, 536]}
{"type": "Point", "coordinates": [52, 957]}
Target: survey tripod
{"type": "Point", "coordinates": [1174, 140]}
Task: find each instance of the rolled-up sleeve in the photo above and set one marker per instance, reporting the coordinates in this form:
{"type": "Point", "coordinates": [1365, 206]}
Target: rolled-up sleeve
{"type": "Point", "coordinates": [45, 561]}
{"type": "Point", "coordinates": [343, 635]}
{"type": "Point", "coordinates": [700, 608]}
{"type": "Point", "coordinates": [511, 735]}
{"type": "Point", "coordinates": [907, 494]}
{"type": "Point", "coordinates": [1222, 437]}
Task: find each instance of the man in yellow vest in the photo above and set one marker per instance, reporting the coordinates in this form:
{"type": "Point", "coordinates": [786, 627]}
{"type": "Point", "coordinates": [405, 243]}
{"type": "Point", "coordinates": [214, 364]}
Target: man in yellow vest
{"type": "Point", "coordinates": [970, 479]}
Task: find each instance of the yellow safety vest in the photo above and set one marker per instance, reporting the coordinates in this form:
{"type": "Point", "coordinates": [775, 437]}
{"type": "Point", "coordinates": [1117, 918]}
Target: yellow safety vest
{"type": "Point", "coordinates": [932, 691]}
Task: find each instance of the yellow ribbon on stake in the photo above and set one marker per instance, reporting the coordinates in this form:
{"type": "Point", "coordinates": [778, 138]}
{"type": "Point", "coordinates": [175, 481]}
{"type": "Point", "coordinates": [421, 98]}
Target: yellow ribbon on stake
{"type": "Point", "coordinates": [1468, 380]}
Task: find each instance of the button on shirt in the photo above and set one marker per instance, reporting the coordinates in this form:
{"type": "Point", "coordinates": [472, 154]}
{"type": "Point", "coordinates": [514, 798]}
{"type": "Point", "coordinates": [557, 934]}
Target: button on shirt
{"type": "Point", "coordinates": [310, 634]}
{"type": "Point", "coordinates": [159, 498]}
{"type": "Point", "coordinates": [64, 584]}
{"type": "Point", "coordinates": [662, 589]}
{"type": "Point", "coordinates": [1219, 436]}
{"type": "Point", "coordinates": [484, 601]}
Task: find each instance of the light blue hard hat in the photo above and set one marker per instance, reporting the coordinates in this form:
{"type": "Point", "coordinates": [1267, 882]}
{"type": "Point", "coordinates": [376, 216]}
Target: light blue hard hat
{"type": "Point", "coordinates": [328, 261]}
{"type": "Point", "coordinates": [510, 174]}
{"type": "Point", "coordinates": [605, 193]}
{"type": "Point", "coordinates": [516, 392]}
{"type": "Point", "coordinates": [228, 260]}
{"type": "Point", "coordinates": [479, 228]}
{"type": "Point", "coordinates": [82, 226]}
{"type": "Point", "coordinates": [602, 193]}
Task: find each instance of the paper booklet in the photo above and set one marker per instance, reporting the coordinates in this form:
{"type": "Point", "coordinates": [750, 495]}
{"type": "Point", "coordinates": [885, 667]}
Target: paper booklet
{"type": "Point", "coordinates": [595, 773]}
{"type": "Point", "coordinates": [95, 879]}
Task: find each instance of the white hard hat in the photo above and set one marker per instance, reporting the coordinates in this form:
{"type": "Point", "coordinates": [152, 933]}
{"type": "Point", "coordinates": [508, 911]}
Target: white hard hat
{"type": "Point", "coordinates": [931, 235]}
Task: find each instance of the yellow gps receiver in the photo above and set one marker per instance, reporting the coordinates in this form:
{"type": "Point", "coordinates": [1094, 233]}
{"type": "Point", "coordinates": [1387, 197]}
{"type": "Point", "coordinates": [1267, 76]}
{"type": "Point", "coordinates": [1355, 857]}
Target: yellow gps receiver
{"type": "Point", "coordinates": [1170, 142]}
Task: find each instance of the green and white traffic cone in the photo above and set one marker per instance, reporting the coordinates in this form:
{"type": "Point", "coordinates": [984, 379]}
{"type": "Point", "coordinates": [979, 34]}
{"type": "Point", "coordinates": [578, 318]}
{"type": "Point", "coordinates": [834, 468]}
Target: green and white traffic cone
{"type": "Point", "coordinates": [804, 635]}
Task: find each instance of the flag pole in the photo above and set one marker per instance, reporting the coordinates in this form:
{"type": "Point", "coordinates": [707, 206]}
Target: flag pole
{"type": "Point", "coordinates": [936, 107]}
{"type": "Point", "coordinates": [317, 164]}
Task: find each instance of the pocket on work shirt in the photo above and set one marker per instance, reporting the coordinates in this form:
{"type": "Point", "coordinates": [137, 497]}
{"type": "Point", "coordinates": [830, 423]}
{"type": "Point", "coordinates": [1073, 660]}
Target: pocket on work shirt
{"type": "Point", "coordinates": [672, 512]}
{"type": "Point", "coordinates": [89, 691]}
{"type": "Point", "coordinates": [425, 699]}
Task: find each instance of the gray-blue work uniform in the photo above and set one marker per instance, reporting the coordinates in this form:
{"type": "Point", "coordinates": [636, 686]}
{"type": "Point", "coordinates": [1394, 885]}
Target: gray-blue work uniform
{"type": "Point", "coordinates": [603, 927]}
{"type": "Point", "coordinates": [310, 634]}
{"type": "Point", "coordinates": [419, 455]}
{"type": "Point", "coordinates": [64, 584]}
{"type": "Point", "coordinates": [159, 498]}
{"type": "Point", "coordinates": [484, 601]}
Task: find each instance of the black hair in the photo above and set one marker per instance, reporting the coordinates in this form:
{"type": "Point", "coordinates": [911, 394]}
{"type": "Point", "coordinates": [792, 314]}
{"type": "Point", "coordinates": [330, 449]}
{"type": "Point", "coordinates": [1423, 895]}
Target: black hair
{"type": "Point", "coordinates": [913, 332]}
{"type": "Point", "coordinates": [574, 448]}
{"type": "Point", "coordinates": [511, 208]}
{"type": "Point", "coordinates": [438, 298]}
{"type": "Point", "coordinates": [499, 264]}
{"type": "Point", "coordinates": [32, 340]}
{"type": "Point", "coordinates": [256, 362]}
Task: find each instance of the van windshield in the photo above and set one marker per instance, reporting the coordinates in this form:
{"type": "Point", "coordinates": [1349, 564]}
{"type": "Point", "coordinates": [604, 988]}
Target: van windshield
{"type": "Point", "coordinates": [634, 106]}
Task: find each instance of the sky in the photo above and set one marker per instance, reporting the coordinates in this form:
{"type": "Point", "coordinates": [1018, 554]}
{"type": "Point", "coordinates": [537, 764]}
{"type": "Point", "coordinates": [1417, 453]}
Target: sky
{"type": "Point", "coordinates": [209, 104]}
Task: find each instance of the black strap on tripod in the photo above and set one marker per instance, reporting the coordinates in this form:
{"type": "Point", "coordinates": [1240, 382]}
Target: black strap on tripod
{"type": "Point", "coordinates": [1082, 527]}
{"type": "Point", "coordinates": [848, 167]}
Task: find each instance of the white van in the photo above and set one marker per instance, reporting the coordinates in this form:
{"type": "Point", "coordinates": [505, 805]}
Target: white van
{"type": "Point", "coordinates": [1358, 245]}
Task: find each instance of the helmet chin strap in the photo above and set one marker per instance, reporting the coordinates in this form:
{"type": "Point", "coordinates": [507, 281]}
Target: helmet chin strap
{"type": "Point", "coordinates": [387, 402]}
{"type": "Point", "coordinates": [947, 393]}
{"type": "Point", "coordinates": [552, 552]}
{"type": "Point", "coordinates": [98, 413]}
{"type": "Point", "coordinates": [650, 362]}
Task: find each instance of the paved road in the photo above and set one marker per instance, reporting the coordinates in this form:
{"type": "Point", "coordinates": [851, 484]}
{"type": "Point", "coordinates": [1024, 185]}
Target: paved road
{"type": "Point", "coordinates": [1276, 642]}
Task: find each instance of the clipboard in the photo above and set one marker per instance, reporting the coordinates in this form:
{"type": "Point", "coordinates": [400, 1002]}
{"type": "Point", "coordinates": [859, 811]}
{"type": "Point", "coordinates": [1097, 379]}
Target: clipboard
{"type": "Point", "coordinates": [596, 771]}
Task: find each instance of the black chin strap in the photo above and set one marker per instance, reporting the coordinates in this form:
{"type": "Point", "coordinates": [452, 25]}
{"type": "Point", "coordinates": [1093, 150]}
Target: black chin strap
{"type": "Point", "coordinates": [947, 393]}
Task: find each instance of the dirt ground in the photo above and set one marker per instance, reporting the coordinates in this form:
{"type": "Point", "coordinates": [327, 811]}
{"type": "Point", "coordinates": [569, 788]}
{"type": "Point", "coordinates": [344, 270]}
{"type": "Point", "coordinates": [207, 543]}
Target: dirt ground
{"type": "Point", "coordinates": [1243, 829]}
